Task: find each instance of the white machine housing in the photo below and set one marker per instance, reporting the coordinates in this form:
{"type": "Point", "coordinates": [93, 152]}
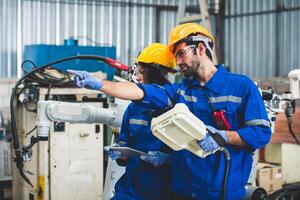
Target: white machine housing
{"type": "Point", "coordinates": [70, 164]}
{"type": "Point", "coordinates": [49, 111]}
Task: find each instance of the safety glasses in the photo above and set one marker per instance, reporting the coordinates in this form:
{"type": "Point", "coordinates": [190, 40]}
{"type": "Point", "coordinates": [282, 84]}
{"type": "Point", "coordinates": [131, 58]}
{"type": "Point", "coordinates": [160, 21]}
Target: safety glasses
{"type": "Point", "coordinates": [184, 51]}
{"type": "Point", "coordinates": [137, 72]}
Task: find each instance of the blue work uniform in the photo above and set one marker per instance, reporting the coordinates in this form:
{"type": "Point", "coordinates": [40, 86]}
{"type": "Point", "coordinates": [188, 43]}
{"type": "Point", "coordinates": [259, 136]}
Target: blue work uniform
{"type": "Point", "coordinates": [141, 180]}
{"type": "Point", "coordinates": [238, 96]}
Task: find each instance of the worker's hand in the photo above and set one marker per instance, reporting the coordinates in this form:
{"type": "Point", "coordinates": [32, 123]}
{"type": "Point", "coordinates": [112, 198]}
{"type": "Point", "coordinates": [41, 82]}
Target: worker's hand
{"type": "Point", "coordinates": [157, 158]}
{"type": "Point", "coordinates": [208, 143]}
{"type": "Point", "coordinates": [86, 80]}
{"type": "Point", "coordinates": [114, 155]}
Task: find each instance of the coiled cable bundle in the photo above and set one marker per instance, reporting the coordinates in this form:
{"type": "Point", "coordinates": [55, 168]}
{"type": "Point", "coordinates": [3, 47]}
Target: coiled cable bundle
{"type": "Point", "coordinates": [47, 76]}
{"type": "Point", "coordinates": [291, 192]}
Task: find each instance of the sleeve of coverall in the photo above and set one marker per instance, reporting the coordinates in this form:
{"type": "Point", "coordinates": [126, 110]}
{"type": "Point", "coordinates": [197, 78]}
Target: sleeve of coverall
{"type": "Point", "coordinates": [158, 97]}
{"type": "Point", "coordinates": [256, 131]}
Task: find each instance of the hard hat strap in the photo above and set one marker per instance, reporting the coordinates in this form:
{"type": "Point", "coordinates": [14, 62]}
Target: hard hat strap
{"type": "Point", "coordinates": [200, 38]}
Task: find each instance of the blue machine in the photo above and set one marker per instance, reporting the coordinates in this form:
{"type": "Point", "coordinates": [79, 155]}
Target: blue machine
{"type": "Point", "coordinates": [42, 54]}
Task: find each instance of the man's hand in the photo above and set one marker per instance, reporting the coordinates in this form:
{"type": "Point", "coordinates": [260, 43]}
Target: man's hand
{"type": "Point", "coordinates": [157, 158]}
{"type": "Point", "coordinates": [208, 143]}
{"type": "Point", "coordinates": [86, 80]}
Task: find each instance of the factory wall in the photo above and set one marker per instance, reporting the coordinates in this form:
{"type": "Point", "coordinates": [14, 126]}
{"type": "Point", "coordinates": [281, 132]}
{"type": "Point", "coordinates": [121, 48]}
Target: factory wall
{"type": "Point", "coordinates": [127, 24]}
{"type": "Point", "coordinates": [261, 38]}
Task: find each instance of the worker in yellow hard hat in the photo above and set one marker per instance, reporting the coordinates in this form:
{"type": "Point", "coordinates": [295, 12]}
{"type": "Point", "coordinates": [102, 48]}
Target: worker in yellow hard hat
{"type": "Point", "coordinates": [190, 35]}
{"type": "Point", "coordinates": [147, 177]}
{"type": "Point", "coordinates": [157, 61]}
{"type": "Point", "coordinates": [230, 106]}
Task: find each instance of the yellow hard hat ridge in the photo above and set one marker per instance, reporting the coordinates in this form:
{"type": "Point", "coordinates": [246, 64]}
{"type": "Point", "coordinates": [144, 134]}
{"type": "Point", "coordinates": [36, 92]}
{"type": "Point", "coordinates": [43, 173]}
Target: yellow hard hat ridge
{"type": "Point", "coordinates": [157, 53]}
{"type": "Point", "coordinates": [183, 30]}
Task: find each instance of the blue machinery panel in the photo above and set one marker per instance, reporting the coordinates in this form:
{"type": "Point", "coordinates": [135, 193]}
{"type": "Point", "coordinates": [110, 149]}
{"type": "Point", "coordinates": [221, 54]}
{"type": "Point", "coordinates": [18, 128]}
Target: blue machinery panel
{"type": "Point", "coordinates": [42, 54]}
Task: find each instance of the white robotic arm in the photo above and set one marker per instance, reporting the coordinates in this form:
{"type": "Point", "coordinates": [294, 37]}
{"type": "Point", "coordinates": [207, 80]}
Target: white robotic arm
{"type": "Point", "coordinates": [75, 113]}
{"type": "Point", "coordinates": [294, 77]}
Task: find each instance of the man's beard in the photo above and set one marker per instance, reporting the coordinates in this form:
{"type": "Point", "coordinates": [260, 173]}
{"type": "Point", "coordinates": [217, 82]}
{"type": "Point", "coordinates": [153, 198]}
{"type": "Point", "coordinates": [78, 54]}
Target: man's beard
{"type": "Point", "coordinates": [188, 71]}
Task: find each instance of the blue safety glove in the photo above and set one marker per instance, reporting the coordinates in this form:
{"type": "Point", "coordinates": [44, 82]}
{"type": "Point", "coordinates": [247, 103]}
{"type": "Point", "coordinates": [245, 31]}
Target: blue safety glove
{"type": "Point", "coordinates": [86, 80]}
{"type": "Point", "coordinates": [208, 143]}
{"type": "Point", "coordinates": [114, 155]}
{"type": "Point", "coordinates": [157, 158]}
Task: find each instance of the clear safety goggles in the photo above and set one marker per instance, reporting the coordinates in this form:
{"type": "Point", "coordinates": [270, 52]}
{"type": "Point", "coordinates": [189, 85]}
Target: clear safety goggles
{"type": "Point", "coordinates": [184, 51]}
{"type": "Point", "coordinates": [197, 38]}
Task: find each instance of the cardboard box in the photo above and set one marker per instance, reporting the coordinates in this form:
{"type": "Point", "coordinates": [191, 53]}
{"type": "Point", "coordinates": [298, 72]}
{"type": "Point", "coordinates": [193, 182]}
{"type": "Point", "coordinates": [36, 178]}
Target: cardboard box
{"type": "Point", "coordinates": [284, 154]}
{"type": "Point", "coordinates": [269, 176]}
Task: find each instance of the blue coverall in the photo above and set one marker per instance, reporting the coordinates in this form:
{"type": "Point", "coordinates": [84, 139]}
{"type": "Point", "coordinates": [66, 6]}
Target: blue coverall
{"type": "Point", "coordinates": [238, 96]}
{"type": "Point", "coordinates": [142, 181]}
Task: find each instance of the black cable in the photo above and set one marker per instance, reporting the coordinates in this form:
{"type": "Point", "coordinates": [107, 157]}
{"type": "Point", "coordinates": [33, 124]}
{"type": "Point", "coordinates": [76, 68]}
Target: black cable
{"type": "Point", "coordinates": [49, 76]}
{"type": "Point", "coordinates": [44, 78]}
{"type": "Point", "coordinates": [289, 110]}
{"type": "Point", "coordinates": [222, 143]}
{"type": "Point", "coordinates": [227, 163]}
{"type": "Point", "coordinates": [27, 61]}
{"type": "Point", "coordinates": [33, 141]}
{"type": "Point", "coordinates": [30, 131]}
{"type": "Point", "coordinates": [209, 102]}
{"type": "Point", "coordinates": [291, 130]}
{"type": "Point", "coordinates": [18, 159]}
{"type": "Point", "coordinates": [48, 92]}
{"type": "Point", "coordinates": [21, 90]}
{"type": "Point", "coordinates": [291, 192]}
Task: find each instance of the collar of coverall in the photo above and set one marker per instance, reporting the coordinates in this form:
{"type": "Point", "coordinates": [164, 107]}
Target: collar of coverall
{"type": "Point", "coordinates": [216, 82]}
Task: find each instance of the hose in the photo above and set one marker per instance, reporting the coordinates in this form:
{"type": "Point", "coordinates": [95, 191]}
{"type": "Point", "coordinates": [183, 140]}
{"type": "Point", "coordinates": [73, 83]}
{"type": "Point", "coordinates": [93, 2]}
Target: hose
{"type": "Point", "coordinates": [222, 143]}
{"type": "Point", "coordinates": [227, 163]}
{"type": "Point", "coordinates": [289, 110]}
{"type": "Point", "coordinates": [291, 192]}
{"type": "Point", "coordinates": [291, 130]}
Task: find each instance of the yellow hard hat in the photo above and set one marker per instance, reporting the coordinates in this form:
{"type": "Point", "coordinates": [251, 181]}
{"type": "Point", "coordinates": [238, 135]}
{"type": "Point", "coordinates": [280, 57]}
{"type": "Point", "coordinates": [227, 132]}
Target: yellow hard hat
{"type": "Point", "coordinates": [183, 30]}
{"type": "Point", "coordinates": [159, 54]}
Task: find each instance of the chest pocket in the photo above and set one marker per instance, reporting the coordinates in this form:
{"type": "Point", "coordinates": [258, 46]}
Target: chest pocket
{"type": "Point", "coordinates": [231, 105]}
